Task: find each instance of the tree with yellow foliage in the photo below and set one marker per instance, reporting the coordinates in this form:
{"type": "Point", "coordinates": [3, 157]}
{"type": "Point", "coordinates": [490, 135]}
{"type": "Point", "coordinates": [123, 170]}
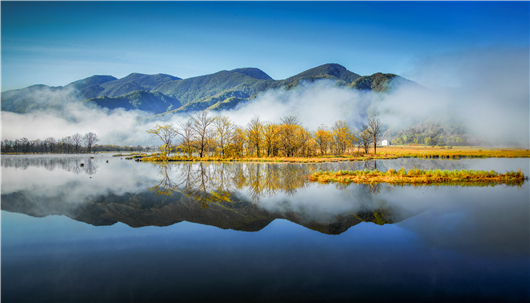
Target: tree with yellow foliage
{"type": "Point", "coordinates": [255, 134]}
{"type": "Point", "coordinates": [342, 137]}
{"type": "Point", "coordinates": [271, 138]}
{"type": "Point", "coordinates": [166, 133]}
{"type": "Point", "coordinates": [223, 128]}
{"type": "Point", "coordinates": [323, 138]}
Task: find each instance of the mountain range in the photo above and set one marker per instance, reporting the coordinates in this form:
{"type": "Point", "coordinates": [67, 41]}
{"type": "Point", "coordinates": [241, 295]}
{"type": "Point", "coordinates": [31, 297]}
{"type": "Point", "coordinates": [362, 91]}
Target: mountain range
{"type": "Point", "coordinates": [166, 94]}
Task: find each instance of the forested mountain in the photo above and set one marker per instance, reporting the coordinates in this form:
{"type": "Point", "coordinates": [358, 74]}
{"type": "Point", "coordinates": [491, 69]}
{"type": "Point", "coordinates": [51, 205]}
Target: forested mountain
{"type": "Point", "coordinates": [108, 86]}
{"type": "Point", "coordinates": [156, 93]}
{"type": "Point", "coordinates": [142, 100]}
{"type": "Point", "coordinates": [163, 94]}
{"type": "Point", "coordinates": [36, 98]}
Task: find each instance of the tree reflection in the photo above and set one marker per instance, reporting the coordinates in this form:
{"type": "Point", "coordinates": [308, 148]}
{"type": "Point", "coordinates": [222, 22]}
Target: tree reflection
{"type": "Point", "coordinates": [165, 186]}
{"type": "Point", "coordinates": [207, 182]}
{"type": "Point", "coordinates": [75, 165]}
{"type": "Point", "coordinates": [373, 188]}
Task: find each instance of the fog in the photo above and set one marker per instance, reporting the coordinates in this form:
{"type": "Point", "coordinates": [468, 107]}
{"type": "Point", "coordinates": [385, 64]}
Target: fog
{"type": "Point", "coordinates": [487, 90]}
{"type": "Point", "coordinates": [320, 102]}
{"type": "Point", "coordinates": [64, 114]}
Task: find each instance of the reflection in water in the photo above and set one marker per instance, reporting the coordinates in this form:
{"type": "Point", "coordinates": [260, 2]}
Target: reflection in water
{"type": "Point", "coordinates": [215, 182]}
{"type": "Point", "coordinates": [448, 244]}
{"type": "Point", "coordinates": [373, 188]}
{"type": "Point", "coordinates": [72, 164]}
{"type": "Point", "coordinates": [241, 196]}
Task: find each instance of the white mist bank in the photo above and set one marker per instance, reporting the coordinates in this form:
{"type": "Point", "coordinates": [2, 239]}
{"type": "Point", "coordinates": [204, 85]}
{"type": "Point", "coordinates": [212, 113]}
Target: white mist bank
{"type": "Point", "coordinates": [316, 103]}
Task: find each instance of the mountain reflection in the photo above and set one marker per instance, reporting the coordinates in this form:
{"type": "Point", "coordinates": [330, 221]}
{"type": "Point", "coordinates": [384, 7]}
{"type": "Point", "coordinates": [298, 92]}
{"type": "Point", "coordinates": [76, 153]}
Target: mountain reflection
{"type": "Point", "coordinates": [249, 196]}
{"type": "Point", "coordinates": [239, 196]}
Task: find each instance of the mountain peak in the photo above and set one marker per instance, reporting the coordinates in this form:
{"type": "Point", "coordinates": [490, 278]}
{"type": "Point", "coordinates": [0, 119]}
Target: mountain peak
{"type": "Point", "coordinates": [253, 72]}
{"type": "Point", "coordinates": [93, 80]}
{"type": "Point", "coordinates": [329, 70]}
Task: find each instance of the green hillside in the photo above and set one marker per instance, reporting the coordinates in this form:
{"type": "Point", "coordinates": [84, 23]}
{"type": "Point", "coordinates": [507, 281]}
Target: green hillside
{"type": "Point", "coordinates": [36, 98]}
{"type": "Point", "coordinates": [90, 87]}
{"type": "Point", "coordinates": [166, 94]}
{"type": "Point", "coordinates": [142, 100]}
{"type": "Point", "coordinates": [193, 89]}
{"type": "Point", "coordinates": [326, 71]}
{"type": "Point", "coordinates": [134, 82]}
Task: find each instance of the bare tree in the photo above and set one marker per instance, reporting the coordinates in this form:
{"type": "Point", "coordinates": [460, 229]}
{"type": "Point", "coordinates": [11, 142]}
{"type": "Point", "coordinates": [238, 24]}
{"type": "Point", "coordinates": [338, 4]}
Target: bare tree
{"type": "Point", "coordinates": [374, 129]}
{"type": "Point", "coordinates": [255, 133]}
{"type": "Point", "coordinates": [365, 139]}
{"type": "Point", "coordinates": [50, 144]}
{"type": "Point", "coordinates": [166, 133]}
{"type": "Point", "coordinates": [185, 130]}
{"type": "Point", "coordinates": [90, 139]}
{"type": "Point", "coordinates": [223, 128]}
{"type": "Point", "coordinates": [201, 127]}
{"type": "Point", "coordinates": [66, 142]}
{"type": "Point", "coordinates": [76, 141]}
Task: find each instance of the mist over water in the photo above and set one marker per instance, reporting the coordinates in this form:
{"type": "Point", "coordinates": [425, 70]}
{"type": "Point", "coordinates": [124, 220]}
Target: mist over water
{"type": "Point", "coordinates": [486, 90]}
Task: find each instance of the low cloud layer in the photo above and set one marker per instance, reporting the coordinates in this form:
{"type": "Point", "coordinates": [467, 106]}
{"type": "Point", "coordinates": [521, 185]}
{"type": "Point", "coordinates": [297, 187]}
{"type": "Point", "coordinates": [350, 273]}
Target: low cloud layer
{"type": "Point", "coordinates": [487, 90]}
{"type": "Point", "coordinates": [316, 103]}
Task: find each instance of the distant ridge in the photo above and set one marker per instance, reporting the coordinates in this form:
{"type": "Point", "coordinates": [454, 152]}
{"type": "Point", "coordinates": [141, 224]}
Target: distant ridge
{"type": "Point", "coordinates": [255, 73]}
{"type": "Point", "coordinates": [167, 94]}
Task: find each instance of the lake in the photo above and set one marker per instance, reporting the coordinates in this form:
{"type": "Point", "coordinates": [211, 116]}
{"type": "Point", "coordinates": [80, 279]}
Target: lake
{"type": "Point", "coordinates": [76, 229]}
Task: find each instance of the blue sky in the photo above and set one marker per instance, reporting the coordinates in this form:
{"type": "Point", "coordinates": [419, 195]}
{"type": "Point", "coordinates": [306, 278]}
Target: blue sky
{"type": "Point", "coordinates": [55, 43]}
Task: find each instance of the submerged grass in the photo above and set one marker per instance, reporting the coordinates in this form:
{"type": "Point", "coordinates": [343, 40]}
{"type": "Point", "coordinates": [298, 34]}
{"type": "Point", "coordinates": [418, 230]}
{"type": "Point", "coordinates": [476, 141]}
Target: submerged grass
{"type": "Point", "coordinates": [383, 154]}
{"type": "Point", "coordinates": [418, 177]}
{"type": "Point", "coordinates": [342, 158]}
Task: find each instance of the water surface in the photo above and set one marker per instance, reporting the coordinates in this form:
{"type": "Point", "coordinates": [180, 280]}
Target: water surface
{"type": "Point", "coordinates": [135, 232]}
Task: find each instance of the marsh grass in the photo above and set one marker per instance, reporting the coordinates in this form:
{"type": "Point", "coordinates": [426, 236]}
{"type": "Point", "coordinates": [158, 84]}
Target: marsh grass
{"type": "Point", "coordinates": [455, 153]}
{"type": "Point", "coordinates": [418, 177]}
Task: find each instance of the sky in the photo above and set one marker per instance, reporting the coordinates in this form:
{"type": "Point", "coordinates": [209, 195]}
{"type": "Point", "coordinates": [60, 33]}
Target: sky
{"type": "Point", "coordinates": [55, 43]}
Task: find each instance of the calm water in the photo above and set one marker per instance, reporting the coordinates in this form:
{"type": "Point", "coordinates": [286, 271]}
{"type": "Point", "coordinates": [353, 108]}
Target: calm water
{"type": "Point", "coordinates": [124, 231]}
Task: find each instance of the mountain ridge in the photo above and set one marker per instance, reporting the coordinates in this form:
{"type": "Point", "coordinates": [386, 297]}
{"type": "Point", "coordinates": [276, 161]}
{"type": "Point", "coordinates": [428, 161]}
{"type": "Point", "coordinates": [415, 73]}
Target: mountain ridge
{"type": "Point", "coordinates": [167, 94]}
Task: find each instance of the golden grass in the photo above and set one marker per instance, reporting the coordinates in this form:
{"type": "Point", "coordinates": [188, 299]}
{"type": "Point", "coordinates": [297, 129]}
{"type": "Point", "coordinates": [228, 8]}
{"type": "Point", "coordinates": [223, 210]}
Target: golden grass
{"type": "Point", "coordinates": [453, 153]}
{"type": "Point", "coordinates": [421, 177]}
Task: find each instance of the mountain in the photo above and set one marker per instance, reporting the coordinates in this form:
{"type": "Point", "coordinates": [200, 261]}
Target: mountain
{"type": "Point", "coordinates": [326, 71]}
{"type": "Point", "coordinates": [90, 87]}
{"type": "Point", "coordinates": [246, 81]}
{"type": "Point", "coordinates": [150, 102]}
{"type": "Point", "coordinates": [226, 89]}
{"type": "Point", "coordinates": [166, 94]}
{"type": "Point", "coordinates": [134, 82]}
{"type": "Point", "coordinates": [97, 86]}
{"type": "Point", "coordinates": [36, 98]}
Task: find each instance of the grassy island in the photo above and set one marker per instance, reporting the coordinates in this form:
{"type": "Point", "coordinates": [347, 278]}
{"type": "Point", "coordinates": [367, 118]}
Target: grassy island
{"type": "Point", "coordinates": [420, 177]}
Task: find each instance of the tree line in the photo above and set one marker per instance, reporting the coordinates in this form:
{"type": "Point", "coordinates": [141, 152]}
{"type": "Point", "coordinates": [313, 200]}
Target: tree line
{"type": "Point", "coordinates": [206, 135]}
{"type": "Point", "coordinates": [76, 143]}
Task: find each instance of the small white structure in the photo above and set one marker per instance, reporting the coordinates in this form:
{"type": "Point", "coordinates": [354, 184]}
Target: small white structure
{"type": "Point", "coordinates": [385, 143]}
